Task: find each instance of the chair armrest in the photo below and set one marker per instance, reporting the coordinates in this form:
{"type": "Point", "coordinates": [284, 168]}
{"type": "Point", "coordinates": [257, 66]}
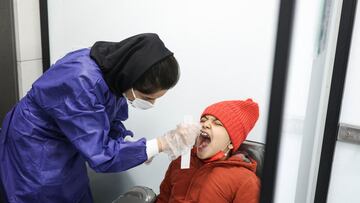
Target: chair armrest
{"type": "Point", "coordinates": [137, 194]}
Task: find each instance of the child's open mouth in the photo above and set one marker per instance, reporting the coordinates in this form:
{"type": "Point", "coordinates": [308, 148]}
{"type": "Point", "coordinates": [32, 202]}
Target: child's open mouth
{"type": "Point", "coordinates": [203, 141]}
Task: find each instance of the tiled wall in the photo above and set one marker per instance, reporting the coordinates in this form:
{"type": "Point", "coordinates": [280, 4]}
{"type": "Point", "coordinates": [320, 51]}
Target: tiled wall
{"type": "Point", "coordinates": [28, 43]}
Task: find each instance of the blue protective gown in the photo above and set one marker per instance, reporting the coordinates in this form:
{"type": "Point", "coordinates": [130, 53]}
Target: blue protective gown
{"type": "Point", "coordinates": [69, 117]}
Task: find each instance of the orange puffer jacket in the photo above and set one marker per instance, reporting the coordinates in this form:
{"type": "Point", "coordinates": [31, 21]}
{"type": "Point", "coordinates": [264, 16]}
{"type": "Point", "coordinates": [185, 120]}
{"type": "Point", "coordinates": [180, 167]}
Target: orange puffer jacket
{"type": "Point", "coordinates": [231, 180]}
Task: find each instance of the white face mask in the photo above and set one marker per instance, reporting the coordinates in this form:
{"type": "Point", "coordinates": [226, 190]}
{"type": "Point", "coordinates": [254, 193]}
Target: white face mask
{"type": "Point", "coordinates": [139, 103]}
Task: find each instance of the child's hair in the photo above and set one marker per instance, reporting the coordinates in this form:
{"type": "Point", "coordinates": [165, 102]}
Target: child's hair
{"type": "Point", "coordinates": [161, 76]}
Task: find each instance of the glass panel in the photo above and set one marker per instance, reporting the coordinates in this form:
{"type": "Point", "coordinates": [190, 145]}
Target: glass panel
{"type": "Point", "coordinates": [345, 174]}
{"type": "Point", "coordinates": [306, 99]}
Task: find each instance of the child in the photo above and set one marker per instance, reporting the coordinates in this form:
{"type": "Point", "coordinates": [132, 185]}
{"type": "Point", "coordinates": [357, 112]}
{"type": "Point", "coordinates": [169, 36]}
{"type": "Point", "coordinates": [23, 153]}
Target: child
{"type": "Point", "coordinates": [217, 173]}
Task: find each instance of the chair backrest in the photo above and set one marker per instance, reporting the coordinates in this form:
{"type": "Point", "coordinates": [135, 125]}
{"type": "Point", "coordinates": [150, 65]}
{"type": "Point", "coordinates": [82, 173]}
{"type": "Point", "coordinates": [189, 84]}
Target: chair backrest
{"type": "Point", "coordinates": [256, 151]}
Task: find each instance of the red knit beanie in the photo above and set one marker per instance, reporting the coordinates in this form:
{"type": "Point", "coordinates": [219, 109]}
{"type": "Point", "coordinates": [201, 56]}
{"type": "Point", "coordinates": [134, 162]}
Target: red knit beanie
{"type": "Point", "coordinates": [238, 117]}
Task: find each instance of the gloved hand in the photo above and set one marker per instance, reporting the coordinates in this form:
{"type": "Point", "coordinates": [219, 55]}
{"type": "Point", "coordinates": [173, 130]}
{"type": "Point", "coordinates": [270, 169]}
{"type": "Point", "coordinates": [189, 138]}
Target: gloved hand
{"type": "Point", "coordinates": [177, 141]}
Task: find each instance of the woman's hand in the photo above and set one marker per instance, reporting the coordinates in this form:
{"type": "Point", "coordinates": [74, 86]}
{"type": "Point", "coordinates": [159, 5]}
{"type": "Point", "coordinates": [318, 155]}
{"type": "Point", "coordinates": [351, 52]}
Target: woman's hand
{"type": "Point", "coordinates": [179, 140]}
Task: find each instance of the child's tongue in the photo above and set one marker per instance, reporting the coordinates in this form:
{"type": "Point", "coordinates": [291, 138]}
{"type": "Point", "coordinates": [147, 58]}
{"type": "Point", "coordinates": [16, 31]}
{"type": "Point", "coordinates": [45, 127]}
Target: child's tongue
{"type": "Point", "coordinates": [204, 142]}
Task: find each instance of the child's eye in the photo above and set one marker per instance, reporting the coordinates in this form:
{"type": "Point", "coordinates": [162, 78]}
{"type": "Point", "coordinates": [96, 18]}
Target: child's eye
{"type": "Point", "coordinates": [218, 123]}
{"type": "Point", "coordinates": [203, 119]}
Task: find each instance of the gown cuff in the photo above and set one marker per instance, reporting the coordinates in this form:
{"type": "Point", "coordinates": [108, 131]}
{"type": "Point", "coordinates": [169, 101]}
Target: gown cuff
{"type": "Point", "coordinates": [152, 148]}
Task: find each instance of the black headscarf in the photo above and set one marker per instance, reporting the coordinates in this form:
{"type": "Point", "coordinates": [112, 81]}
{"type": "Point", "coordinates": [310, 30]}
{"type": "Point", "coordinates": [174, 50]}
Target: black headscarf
{"type": "Point", "coordinates": [122, 63]}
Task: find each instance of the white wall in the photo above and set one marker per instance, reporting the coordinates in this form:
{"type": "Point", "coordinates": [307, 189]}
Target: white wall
{"type": "Point", "coordinates": [345, 174]}
{"type": "Point", "coordinates": [225, 50]}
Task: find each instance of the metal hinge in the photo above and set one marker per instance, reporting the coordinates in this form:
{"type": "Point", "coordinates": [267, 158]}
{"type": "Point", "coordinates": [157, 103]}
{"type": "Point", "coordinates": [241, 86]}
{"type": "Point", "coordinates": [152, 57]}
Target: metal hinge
{"type": "Point", "coordinates": [349, 133]}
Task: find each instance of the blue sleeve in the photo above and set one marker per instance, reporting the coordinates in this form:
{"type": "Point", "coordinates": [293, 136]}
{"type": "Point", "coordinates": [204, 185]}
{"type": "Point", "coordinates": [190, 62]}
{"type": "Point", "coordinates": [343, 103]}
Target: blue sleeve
{"type": "Point", "coordinates": [117, 128]}
{"type": "Point", "coordinates": [82, 118]}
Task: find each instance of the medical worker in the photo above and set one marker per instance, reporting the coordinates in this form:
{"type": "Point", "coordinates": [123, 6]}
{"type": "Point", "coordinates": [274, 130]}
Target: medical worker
{"type": "Point", "coordinates": [73, 114]}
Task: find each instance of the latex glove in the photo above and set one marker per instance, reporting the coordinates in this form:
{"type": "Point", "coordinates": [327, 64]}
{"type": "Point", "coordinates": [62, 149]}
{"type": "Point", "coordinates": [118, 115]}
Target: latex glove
{"type": "Point", "coordinates": [176, 142]}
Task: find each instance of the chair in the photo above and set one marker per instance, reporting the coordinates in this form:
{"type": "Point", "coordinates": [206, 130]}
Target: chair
{"type": "Point", "coordinates": [142, 194]}
{"type": "Point", "coordinates": [256, 151]}
{"type": "Point", "coordinates": [137, 194]}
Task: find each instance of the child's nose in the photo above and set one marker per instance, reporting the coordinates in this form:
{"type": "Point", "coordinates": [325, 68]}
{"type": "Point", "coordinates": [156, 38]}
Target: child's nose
{"type": "Point", "coordinates": [206, 124]}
